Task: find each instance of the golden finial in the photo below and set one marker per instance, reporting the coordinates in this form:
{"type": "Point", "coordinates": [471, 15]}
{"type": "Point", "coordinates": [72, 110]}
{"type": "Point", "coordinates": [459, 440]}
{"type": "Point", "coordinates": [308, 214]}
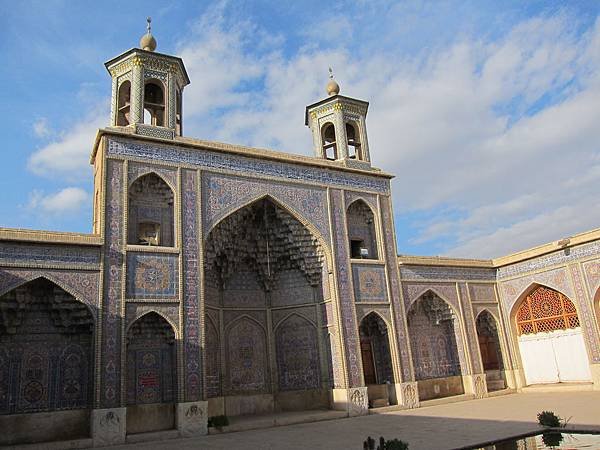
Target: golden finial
{"type": "Point", "coordinates": [148, 42]}
{"type": "Point", "coordinates": [332, 87]}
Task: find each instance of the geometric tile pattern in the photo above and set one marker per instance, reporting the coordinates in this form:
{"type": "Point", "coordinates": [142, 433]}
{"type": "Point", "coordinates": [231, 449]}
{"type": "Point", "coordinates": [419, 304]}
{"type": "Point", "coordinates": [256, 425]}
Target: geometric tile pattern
{"type": "Point", "coordinates": [245, 165]}
{"type": "Point", "coordinates": [152, 276]}
{"type": "Point", "coordinates": [369, 283]}
{"type": "Point", "coordinates": [68, 255]}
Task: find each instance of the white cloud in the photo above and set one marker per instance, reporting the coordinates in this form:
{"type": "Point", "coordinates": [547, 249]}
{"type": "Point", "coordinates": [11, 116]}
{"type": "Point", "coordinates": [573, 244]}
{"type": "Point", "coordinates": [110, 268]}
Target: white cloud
{"type": "Point", "coordinates": [497, 141]}
{"type": "Point", "coordinates": [41, 128]}
{"type": "Point", "coordinates": [67, 156]}
{"type": "Point", "coordinates": [66, 201]}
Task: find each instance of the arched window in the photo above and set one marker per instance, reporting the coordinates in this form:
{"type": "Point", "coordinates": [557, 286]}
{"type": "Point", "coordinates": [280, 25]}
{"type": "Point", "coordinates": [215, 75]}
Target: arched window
{"type": "Point", "coordinates": [178, 116]}
{"type": "Point", "coordinates": [546, 310]}
{"type": "Point", "coordinates": [353, 141]}
{"type": "Point", "coordinates": [329, 143]}
{"type": "Point", "coordinates": [124, 102]}
{"type": "Point", "coordinates": [154, 103]}
{"type": "Point", "coordinates": [361, 231]}
{"type": "Point", "coordinates": [151, 215]}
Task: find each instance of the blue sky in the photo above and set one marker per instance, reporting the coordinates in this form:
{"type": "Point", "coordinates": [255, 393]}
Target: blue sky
{"type": "Point", "coordinates": [487, 112]}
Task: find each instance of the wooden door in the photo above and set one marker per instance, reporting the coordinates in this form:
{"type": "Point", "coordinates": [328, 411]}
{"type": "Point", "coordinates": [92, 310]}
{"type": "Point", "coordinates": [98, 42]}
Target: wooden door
{"type": "Point", "coordinates": [366, 351]}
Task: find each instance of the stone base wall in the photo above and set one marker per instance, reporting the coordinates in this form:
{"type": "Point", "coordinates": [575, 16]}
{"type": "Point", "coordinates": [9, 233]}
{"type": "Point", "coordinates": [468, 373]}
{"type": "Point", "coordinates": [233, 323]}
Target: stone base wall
{"type": "Point", "coordinates": [440, 387]}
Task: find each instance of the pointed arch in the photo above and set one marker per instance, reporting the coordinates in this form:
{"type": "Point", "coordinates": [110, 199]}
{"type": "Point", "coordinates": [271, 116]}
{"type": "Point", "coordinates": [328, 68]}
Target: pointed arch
{"type": "Point", "coordinates": [72, 292]}
{"type": "Point", "coordinates": [151, 211]}
{"type": "Point", "coordinates": [151, 171]}
{"type": "Point", "coordinates": [376, 356]}
{"type": "Point", "coordinates": [151, 310]}
{"type": "Point", "coordinates": [301, 316]}
{"type": "Point", "coordinates": [362, 230]}
{"type": "Point", "coordinates": [323, 243]}
{"type": "Point", "coordinates": [151, 360]}
{"type": "Point", "coordinates": [437, 293]}
{"type": "Point", "coordinates": [488, 335]}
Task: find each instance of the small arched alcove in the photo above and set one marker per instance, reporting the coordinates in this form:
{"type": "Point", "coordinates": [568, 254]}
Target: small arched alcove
{"type": "Point", "coordinates": [353, 137]}
{"type": "Point", "coordinates": [328, 137]}
{"type": "Point", "coordinates": [490, 350]}
{"type": "Point", "coordinates": [376, 359]}
{"type": "Point", "coordinates": [550, 339]}
{"type": "Point", "coordinates": [361, 231]}
{"type": "Point", "coordinates": [151, 374]}
{"type": "Point", "coordinates": [150, 213]}
{"type": "Point", "coordinates": [433, 329]}
{"type": "Point", "coordinates": [124, 103]}
{"type": "Point", "coordinates": [154, 102]}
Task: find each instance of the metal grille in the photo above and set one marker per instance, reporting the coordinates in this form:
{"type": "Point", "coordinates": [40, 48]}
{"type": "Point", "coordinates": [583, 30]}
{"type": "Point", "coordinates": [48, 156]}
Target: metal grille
{"type": "Point", "coordinates": [546, 310]}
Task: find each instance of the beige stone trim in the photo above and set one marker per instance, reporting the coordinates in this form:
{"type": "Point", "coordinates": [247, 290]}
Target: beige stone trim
{"type": "Point", "coordinates": [443, 261]}
{"type": "Point", "coordinates": [55, 237]}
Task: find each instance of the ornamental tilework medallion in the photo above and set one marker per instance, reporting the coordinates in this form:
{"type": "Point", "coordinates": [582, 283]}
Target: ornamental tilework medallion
{"type": "Point", "coordinates": [399, 312]}
{"type": "Point", "coordinates": [470, 329]}
{"type": "Point", "coordinates": [369, 283]}
{"type": "Point", "coordinates": [152, 276]}
{"type": "Point", "coordinates": [556, 279]}
{"type": "Point", "coordinates": [113, 279]}
{"type": "Point", "coordinates": [585, 314]}
{"type": "Point", "coordinates": [191, 299]}
{"type": "Point", "coordinates": [245, 165]}
{"type": "Point", "coordinates": [351, 339]}
{"type": "Point", "coordinates": [223, 194]}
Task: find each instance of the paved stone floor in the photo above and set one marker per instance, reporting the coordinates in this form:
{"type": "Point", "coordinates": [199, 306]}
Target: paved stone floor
{"type": "Point", "coordinates": [429, 428]}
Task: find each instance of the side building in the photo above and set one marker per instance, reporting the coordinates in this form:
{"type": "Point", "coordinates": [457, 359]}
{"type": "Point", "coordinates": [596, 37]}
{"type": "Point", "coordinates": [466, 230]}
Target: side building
{"type": "Point", "coordinates": [227, 280]}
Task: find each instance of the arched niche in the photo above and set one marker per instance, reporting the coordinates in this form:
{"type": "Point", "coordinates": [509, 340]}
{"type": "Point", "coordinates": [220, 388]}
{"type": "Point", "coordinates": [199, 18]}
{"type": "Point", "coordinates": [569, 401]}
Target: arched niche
{"type": "Point", "coordinates": [353, 137]}
{"type": "Point", "coordinates": [151, 212]}
{"type": "Point", "coordinates": [490, 350]}
{"type": "Point", "coordinates": [151, 377]}
{"type": "Point", "coordinates": [46, 349]}
{"type": "Point", "coordinates": [328, 138]}
{"type": "Point", "coordinates": [124, 104]}
{"type": "Point", "coordinates": [362, 234]}
{"type": "Point", "coordinates": [154, 102]}
{"type": "Point", "coordinates": [433, 330]}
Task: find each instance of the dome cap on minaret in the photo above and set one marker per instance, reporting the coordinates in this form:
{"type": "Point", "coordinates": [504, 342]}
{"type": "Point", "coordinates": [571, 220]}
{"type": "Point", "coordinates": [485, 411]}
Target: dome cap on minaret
{"type": "Point", "coordinates": [332, 87]}
{"type": "Point", "coordinates": [147, 42]}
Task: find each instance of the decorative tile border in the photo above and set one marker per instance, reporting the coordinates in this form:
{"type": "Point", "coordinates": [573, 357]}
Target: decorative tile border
{"type": "Point", "coordinates": [113, 283]}
{"type": "Point", "coordinates": [351, 340]}
{"type": "Point", "coordinates": [585, 314]}
{"type": "Point", "coordinates": [245, 165]}
{"type": "Point", "coordinates": [558, 257]}
{"type": "Point", "coordinates": [39, 254]}
{"type": "Point", "coordinates": [470, 329]}
{"type": "Point", "coordinates": [446, 273]}
{"type": "Point", "coordinates": [191, 298]}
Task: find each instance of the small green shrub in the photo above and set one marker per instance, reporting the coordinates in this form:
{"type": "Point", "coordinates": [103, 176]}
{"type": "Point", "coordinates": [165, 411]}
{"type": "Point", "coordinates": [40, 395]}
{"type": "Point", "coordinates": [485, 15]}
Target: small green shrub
{"type": "Point", "coordinates": [394, 444]}
{"type": "Point", "coordinates": [218, 421]}
{"type": "Point", "coordinates": [549, 419]}
{"type": "Point", "coordinates": [552, 439]}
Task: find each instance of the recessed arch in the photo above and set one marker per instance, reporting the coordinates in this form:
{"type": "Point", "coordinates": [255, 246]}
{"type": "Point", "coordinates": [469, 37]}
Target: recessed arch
{"type": "Point", "coordinates": [154, 102]}
{"type": "Point", "coordinates": [324, 246]}
{"type": "Point", "coordinates": [375, 333]}
{"type": "Point", "coordinates": [141, 314]}
{"type": "Point", "coordinates": [149, 170]}
{"type": "Point", "coordinates": [300, 316]}
{"type": "Point", "coordinates": [362, 230]}
{"type": "Point", "coordinates": [488, 336]}
{"type": "Point", "coordinates": [124, 103]}
{"type": "Point", "coordinates": [49, 334]}
{"type": "Point", "coordinates": [329, 141]}
{"type": "Point", "coordinates": [151, 211]}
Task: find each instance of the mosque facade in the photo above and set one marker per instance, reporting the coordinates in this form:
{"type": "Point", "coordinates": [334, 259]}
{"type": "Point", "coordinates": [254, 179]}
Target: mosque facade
{"type": "Point", "coordinates": [226, 280]}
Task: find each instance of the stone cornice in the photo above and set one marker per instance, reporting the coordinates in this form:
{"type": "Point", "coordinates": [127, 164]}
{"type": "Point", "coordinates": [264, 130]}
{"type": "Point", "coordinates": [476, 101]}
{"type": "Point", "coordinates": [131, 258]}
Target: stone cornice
{"type": "Point", "coordinates": [52, 237]}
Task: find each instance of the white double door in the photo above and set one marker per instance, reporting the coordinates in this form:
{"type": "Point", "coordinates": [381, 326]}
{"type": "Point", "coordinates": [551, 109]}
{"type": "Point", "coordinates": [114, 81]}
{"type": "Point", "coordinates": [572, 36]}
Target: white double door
{"type": "Point", "coordinates": [554, 357]}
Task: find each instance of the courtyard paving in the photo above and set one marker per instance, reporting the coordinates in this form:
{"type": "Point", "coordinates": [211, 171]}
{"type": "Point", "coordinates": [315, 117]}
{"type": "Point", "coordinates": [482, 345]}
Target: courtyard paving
{"type": "Point", "coordinates": [440, 427]}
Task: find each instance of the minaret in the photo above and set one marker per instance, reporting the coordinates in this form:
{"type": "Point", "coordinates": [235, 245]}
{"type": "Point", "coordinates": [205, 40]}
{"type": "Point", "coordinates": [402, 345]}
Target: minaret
{"type": "Point", "coordinates": [147, 90]}
{"type": "Point", "coordinates": [338, 126]}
